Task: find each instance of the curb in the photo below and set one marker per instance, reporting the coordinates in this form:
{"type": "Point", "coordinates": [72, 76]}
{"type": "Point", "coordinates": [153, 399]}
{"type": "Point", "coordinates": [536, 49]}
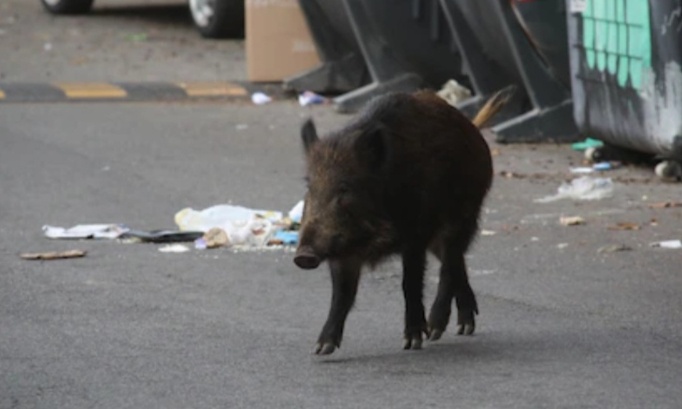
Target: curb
{"type": "Point", "coordinates": [128, 91]}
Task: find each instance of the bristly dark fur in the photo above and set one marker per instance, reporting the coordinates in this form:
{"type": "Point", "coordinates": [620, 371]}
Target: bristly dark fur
{"type": "Point", "coordinates": [407, 175]}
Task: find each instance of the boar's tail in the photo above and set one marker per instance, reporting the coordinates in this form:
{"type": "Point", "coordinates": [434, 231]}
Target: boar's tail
{"type": "Point", "coordinates": [493, 105]}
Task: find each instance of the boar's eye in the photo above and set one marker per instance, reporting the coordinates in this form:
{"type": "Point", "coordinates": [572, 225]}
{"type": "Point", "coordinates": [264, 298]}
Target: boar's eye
{"type": "Point", "coordinates": [344, 195]}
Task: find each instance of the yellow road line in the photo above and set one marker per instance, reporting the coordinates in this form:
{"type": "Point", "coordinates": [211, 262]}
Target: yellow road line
{"type": "Point", "coordinates": [212, 89]}
{"type": "Point", "coordinates": [2, 94]}
{"type": "Point", "coordinates": [91, 90]}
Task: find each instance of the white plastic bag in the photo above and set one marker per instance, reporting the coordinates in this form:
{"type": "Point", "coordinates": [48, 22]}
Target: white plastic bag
{"type": "Point", "coordinates": [583, 188]}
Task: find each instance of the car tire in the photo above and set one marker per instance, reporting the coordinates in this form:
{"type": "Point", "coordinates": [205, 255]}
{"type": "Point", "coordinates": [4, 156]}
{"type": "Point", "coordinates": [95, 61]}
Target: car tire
{"type": "Point", "coordinates": [218, 18]}
{"type": "Point", "coordinates": [67, 6]}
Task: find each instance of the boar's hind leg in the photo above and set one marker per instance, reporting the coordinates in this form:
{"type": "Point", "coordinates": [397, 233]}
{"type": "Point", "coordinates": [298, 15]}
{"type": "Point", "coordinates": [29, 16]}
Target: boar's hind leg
{"type": "Point", "coordinates": [414, 261]}
{"type": "Point", "coordinates": [454, 282]}
{"type": "Point", "coordinates": [345, 278]}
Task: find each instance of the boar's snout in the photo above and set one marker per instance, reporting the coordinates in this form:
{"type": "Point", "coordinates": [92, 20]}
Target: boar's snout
{"type": "Point", "coordinates": [306, 258]}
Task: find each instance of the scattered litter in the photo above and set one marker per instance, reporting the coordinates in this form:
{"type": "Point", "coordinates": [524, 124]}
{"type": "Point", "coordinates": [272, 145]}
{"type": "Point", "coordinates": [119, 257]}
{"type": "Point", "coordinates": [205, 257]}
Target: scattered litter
{"type": "Point", "coordinates": [243, 226]}
{"type": "Point", "coordinates": [613, 248]}
{"type": "Point", "coordinates": [285, 237]}
{"type": "Point", "coordinates": [665, 205]}
{"type": "Point", "coordinates": [562, 246]}
{"type": "Point", "coordinates": [296, 213]}
{"type": "Point", "coordinates": [242, 127]}
{"type": "Point", "coordinates": [47, 47]}
{"type": "Point", "coordinates": [260, 98]}
{"type": "Point", "coordinates": [582, 188]}
{"type": "Point", "coordinates": [534, 238]}
{"type": "Point", "coordinates": [669, 171]}
{"type": "Point", "coordinates": [85, 231]}
{"type": "Point", "coordinates": [622, 226]}
{"type": "Point", "coordinates": [53, 255]}
{"type": "Point", "coordinates": [174, 248]}
{"type": "Point", "coordinates": [587, 143]}
{"type": "Point", "coordinates": [668, 244]}
{"type": "Point", "coordinates": [215, 237]}
{"type": "Point", "coordinates": [162, 236]}
{"type": "Point", "coordinates": [488, 233]}
{"type": "Point", "coordinates": [597, 167]}
{"type": "Point", "coordinates": [137, 37]}
{"type": "Point", "coordinates": [310, 98]}
{"type": "Point", "coordinates": [602, 166]}
{"type": "Point", "coordinates": [219, 215]}
{"type": "Point", "coordinates": [571, 220]}
{"type": "Point", "coordinates": [582, 170]}
{"type": "Point", "coordinates": [453, 92]}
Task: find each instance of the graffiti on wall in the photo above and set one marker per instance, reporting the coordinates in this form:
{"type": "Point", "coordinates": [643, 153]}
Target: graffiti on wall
{"type": "Point", "coordinates": [617, 38]}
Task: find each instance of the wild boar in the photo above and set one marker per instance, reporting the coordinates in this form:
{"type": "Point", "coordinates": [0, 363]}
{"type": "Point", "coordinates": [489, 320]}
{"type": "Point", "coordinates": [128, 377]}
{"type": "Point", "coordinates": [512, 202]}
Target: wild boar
{"type": "Point", "coordinates": [407, 175]}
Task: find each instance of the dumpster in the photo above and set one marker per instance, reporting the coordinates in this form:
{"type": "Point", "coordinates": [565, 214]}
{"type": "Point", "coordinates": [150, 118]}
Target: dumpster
{"type": "Point", "coordinates": [521, 42]}
{"type": "Point", "coordinates": [403, 45]}
{"type": "Point", "coordinates": [626, 76]}
{"type": "Point", "coordinates": [342, 67]}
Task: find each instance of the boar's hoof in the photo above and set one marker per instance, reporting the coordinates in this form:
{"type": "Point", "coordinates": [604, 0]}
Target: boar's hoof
{"type": "Point", "coordinates": [413, 342]}
{"type": "Point", "coordinates": [466, 323]}
{"type": "Point", "coordinates": [435, 334]}
{"type": "Point", "coordinates": [305, 258]}
{"type": "Point", "coordinates": [325, 348]}
{"type": "Point", "coordinates": [465, 329]}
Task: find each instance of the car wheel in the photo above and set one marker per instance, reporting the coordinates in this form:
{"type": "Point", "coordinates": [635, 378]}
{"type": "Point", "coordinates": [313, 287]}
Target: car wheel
{"type": "Point", "coordinates": [67, 6]}
{"type": "Point", "coordinates": [218, 18]}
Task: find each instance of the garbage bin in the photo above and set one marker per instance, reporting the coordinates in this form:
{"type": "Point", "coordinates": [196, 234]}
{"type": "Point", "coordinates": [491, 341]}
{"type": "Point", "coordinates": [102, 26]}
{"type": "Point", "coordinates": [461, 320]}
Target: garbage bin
{"type": "Point", "coordinates": [523, 43]}
{"type": "Point", "coordinates": [625, 73]}
{"type": "Point", "coordinates": [342, 67]}
{"type": "Point", "coordinates": [404, 45]}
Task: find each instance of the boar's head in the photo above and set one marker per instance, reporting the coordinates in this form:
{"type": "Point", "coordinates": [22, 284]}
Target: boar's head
{"type": "Point", "coordinates": [343, 209]}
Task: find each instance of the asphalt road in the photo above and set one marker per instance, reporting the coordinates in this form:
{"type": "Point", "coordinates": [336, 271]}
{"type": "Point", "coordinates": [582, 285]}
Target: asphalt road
{"type": "Point", "coordinates": [562, 324]}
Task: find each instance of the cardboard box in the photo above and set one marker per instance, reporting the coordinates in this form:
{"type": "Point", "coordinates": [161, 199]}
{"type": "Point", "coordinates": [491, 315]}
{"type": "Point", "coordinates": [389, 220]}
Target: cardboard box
{"type": "Point", "coordinates": [278, 42]}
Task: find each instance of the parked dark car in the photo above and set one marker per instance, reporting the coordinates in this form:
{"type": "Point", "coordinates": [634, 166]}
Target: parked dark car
{"type": "Point", "coordinates": [213, 18]}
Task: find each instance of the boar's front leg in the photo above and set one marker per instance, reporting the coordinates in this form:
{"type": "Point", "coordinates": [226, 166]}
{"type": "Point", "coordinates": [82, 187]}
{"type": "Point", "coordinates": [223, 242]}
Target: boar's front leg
{"type": "Point", "coordinates": [414, 261]}
{"type": "Point", "coordinates": [345, 278]}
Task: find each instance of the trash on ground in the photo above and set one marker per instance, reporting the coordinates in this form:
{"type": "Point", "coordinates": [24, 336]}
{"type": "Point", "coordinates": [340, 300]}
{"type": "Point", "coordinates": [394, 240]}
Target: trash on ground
{"type": "Point", "coordinates": [53, 255]}
{"type": "Point", "coordinates": [174, 248]}
{"type": "Point", "coordinates": [85, 231]}
{"type": "Point", "coordinates": [562, 246]}
{"type": "Point", "coordinates": [243, 226]}
{"type": "Point", "coordinates": [241, 127]}
{"type": "Point", "coordinates": [296, 212]}
{"type": "Point", "coordinates": [582, 170]}
{"type": "Point", "coordinates": [625, 226]}
{"type": "Point", "coordinates": [582, 188]}
{"type": "Point", "coordinates": [453, 92]}
{"type": "Point", "coordinates": [665, 205]}
{"type": "Point", "coordinates": [215, 237]}
{"type": "Point", "coordinates": [613, 248]}
{"type": "Point", "coordinates": [597, 167]}
{"type": "Point", "coordinates": [285, 237]}
{"type": "Point", "coordinates": [571, 220]}
{"type": "Point", "coordinates": [310, 98]}
{"type": "Point", "coordinates": [668, 244]}
{"type": "Point", "coordinates": [162, 236]}
{"type": "Point", "coordinates": [260, 98]}
{"type": "Point", "coordinates": [137, 37]}
{"type": "Point", "coordinates": [487, 233]}
{"type": "Point", "coordinates": [602, 166]}
{"type": "Point", "coordinates": [220, 216]}
{"type": "Point", "coordinates": [587, 143]}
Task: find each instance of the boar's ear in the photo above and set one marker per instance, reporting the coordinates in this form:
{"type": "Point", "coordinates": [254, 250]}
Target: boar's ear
{"type": "Point", "coordinates": [373, 146]}
{"type": "Point", "coordinates": [309, 135]}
